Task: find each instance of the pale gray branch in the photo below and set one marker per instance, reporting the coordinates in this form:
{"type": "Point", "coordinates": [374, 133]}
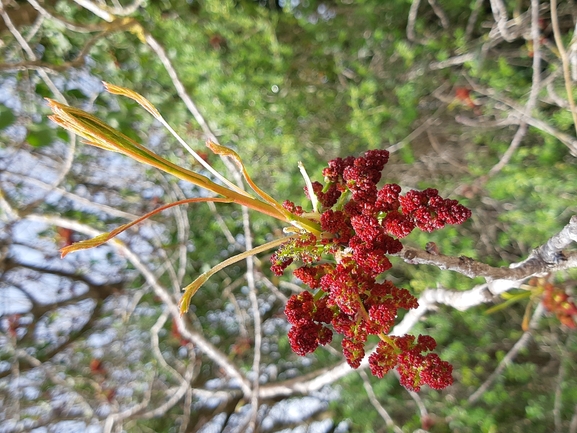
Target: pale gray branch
{"type": "Point", "coordinates": [548, 257]}
{"type": "Point", "coordinates": [535, 87]}
{"type": "Point", "coordinates": [96, 10]}
{"type": "Point", "coordinates": [438, 10]}
{"type": "Point", "coordinates": [412, 20]}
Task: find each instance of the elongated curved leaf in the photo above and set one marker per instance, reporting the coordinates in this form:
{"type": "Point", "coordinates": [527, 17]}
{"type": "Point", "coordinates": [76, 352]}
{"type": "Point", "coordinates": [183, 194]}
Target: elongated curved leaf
{"type": "Point", "coordinates": [105, 237]}
{"type": "Point", "coordinates": [192, 288]}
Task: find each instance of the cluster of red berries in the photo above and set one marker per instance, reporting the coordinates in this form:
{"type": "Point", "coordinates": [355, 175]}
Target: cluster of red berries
{"type": "Point", "coordinates": [361, 224]}
{"type": "Point", "coordinates": [557, 301]}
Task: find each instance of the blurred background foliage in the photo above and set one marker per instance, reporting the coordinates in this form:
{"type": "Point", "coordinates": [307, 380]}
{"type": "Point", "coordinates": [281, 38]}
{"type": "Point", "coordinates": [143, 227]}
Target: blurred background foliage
{"type": "Point", "coordinates": [280, 82]}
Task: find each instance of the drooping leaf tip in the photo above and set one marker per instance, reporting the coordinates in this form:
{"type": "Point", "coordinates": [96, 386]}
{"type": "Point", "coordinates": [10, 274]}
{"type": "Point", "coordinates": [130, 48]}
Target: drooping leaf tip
{"type": "Point", "coordinates": [52, 102]}
{"type": "Point", "coordinates": [135, 96]}
{"type": "Point", "coordinates": [183, 307]}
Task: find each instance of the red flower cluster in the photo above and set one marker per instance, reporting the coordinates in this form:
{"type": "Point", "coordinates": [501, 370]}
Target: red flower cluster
{"type": "Point", "coordinates": [414, 368]}
{"type": "Point", "coordinates": [362, 224]}
{"type": "Point", "coordinates": [557, 301]}
{"type": "Point", "coordinates": [307, 315]}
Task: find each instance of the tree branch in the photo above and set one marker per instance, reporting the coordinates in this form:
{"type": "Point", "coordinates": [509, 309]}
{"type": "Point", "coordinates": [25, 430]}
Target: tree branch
{"type": "Point", "coordinates": [549, 257]}
{"type": "Point", "coordinates": [199, 341]}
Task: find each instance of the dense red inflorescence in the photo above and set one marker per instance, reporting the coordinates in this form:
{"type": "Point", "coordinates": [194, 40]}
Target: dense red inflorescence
{"type": "Point", "coordinates": [361, 224]}
{"type": "Point", "coordinates": [557, 301]}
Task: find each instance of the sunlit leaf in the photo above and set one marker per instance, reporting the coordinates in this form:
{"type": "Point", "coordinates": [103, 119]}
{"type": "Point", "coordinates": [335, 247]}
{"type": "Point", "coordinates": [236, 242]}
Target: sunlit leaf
{"type": "Point", "coordinates": [86, 244]}
{"type": "Point", "coordinates": [148, 106]}
{"type": "Point", "coordinates": [225, 151]}
{"type": "Point", "coordinates": [142, 101]}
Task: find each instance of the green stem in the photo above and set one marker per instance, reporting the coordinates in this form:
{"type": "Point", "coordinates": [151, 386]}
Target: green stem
{"type": "Point", "coordinates": [388, 340]}
{"type": "Point", "coordinates": [381, 335]}
{"type": "Point", "coordinates": [243, 200]}
{"type": "Point", "coordinates": [192, 288]}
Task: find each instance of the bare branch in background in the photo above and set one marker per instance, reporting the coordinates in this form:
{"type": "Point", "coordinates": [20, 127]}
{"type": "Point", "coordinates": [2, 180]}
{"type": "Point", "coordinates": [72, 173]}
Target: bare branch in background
{"type": "Point", "coordinates": [119, 417]}
{"type": "Point", "coordinates": [535, 88]}
{"type": "Point", "coordinates": [573, 425]}
{"type": "Point", "coordinates": [506, 361]}
{"type": "Point", "coordinates": [96, 10]}
{"type": "Point", "coordinates": [543, 259]}
{"type": "Point", "coordinates": [453, 61]}
{"type": "Point", "coordinates": [68, 24]}
{"type": "Point", "coordinates": [67, 165]}
{"type": "Point", "coordinates": [444, 154]}
{"type": "Point", "coordinates": [412, 20]}
{"type": "Point", "coordinates": [440, 13]}
{"type": "Point", "coordinates": [55, 378]}
{"type": "Point", "coordinates": [172, 304]}
{"type": "Point", "coordinates": [377, 405]}
{"type": "Point", "coordinates": [503, 24]}
{"type": "Point", "coordinates": [110, 210]}
{"type": "Point", "coordinates": [161, 53]}
{"type": "Point", "coordinates": [564, 61]}
{"type": "Point", "coordinates": [125, 10]}
{"type": "Point", "coordinates": [56, 349]}
{"type": "Point", "coordinates": [557, 406]}
{"type": "Point", "coordinates": [423, 412]}
{"type": "Point", "coordinates": [473, 19]}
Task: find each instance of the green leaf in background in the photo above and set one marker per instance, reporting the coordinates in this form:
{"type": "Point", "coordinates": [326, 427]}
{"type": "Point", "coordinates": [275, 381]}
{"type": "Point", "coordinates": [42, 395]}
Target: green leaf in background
{"type": "Point", "coordinates": [407, 154]}
{"type": "Point", "coordinates": [75, 94]}
{"type": "Point", "coordinates": [42, 90]}
{"type": "Point", "coordinates": [40, 135]}
{"type": "Point", "coordinates": [7, 117]}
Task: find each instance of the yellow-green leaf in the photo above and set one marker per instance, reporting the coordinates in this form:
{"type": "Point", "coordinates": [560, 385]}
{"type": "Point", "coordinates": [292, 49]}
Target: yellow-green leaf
{"type": "Point", "coordinates": [225, 151]}
{"type": "Point", "coordinates": [193, 287]}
